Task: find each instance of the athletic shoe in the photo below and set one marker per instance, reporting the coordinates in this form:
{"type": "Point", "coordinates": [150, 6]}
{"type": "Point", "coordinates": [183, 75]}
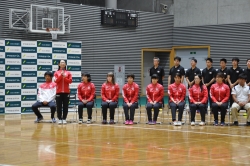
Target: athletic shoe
{"type": "Point", "coordinates": [112, 121]}
{"type": "Point", "coordinates": [104, 122]}
{"type": "Point", "coordinates": [150, 122]}
{"type": "Point", "coordinates": [131, 122]}
{"type": "Point", "coordinates": [248, 123]}
{"type": "Point", "coordinates": [179, 123]}
{"type": "Point", "coordinates": [202, 123]}
{"type": "Point", "coordinates": [222, 123]}
{"type": "Point", "coordinates": [53, 120]}
{"type": "Point", "coordinates": [38, 120]}
{"type": "Point", "coordinates": [64, 121]}
{"type": "Point", "coordinates": [216, 122]}
{"type": "Point", "coordinates": [236, 123]}
{"type": "Point", "coordinates": [175, 123]}
{"type": "Point", "coordinates": [89, 121]}
{"type": "Point", "coordinates": [193, 123]}
{"type": "Point", "coordinates": [127, 122]}
{"type": "Point", "coordinates": [80, 121]}
{"type": "Point", "coordinates": [154, 122]}
{"type": "Point", "coordinates": [60, 121]}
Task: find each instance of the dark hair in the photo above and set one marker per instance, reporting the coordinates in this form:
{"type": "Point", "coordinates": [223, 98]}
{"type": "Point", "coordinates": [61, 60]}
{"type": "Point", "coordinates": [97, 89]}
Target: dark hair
{"type": "Point", "coordinates": [111, 74]}
{"type": "Point", "coordinates": [156, 58]}
{"type": "Point", "coordinates": [193, 59]}
{"type": "Point", "coordinates": [243, 76]}
{"type": "Point", "coordinates": [248, 59]}
{"type": "Point", "coordinates": [221, 75]}
{"type": "Point", "coordinates": [223, 60]}
{"type": "Point", "coordinates": [209, 59]}
{"type": "Point", "coordinates": [201, 83]}
{"type": "Point", "coordinates": [131, 75]}
{"type": "Point", "coordinates": [154, 76]}
{"type": "Point", "coordinates": [177, 58]}
{"type": "Point", "coordinates": [177, 75]}
{"type": "Point", "coordinates": [48, 73]}
{"type": "Point", "coordinates": [235, 59]}
{"type": "Point", "coordinates": [87, 75]}
{"type": "Point", "coordinates": [59, 64]}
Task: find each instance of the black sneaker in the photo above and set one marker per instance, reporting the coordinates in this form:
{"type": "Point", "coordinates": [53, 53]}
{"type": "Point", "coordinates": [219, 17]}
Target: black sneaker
{"type": "Point", "coordinates": [38, 120]}
{"type": "Point", "coordinates": [236, 123]}
{"type": "Point", "coordinates": [112, 121]}
{"type": "Point", "coordinates": [248, 123]}
{"type": "Point", "coordinates": [104, 122]}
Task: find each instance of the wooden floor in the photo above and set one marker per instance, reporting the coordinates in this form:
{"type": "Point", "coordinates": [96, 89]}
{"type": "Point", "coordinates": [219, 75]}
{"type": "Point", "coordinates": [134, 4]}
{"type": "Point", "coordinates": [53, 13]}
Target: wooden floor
{"type": "Point", "coordinates": [22, 142]}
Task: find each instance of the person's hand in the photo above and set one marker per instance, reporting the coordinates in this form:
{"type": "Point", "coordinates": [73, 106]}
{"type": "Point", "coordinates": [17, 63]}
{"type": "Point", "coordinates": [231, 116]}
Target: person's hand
{"type": "Point", "coordinates": [218, 103]}
{"type": "Point", "coordinates": [177, 102]}
{"type": "Point", "coordinates": [151, 102]}
{"type": "Point", "coordinates": [190, 84]}
{"type": "Point", "coordinates": [107, 101]}
{"type": "Point", "coordinates": [155, 102]}
{"type": "Point", "coordinates": [129, 104]}
{"type": "Point", "coordinates": [84, 101]}
{"type": "Point", "coordinates": [206, 85]}
{"type": "Point", "coordinates": [231, 86]}
{"type": "Point", "coordinates": [242, 104]}
{"type": "Point", "coordinates": [45, 103]}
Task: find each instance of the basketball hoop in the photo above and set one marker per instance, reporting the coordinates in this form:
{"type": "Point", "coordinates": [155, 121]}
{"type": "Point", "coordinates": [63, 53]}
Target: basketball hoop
{"type": "Point", "coordinates": [53, 32]}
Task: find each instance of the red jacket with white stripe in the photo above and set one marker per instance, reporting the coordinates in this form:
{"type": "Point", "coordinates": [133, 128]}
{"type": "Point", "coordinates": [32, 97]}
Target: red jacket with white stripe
{"type": "Point", "coordinates": [130, 92]}
{"type": "Point", "coordinates": [47, 92]}
{"type": "Point", "coordinates": [86, 91]}
{"type": "Point", "coordinates": [155, 92]}
{"type": "Point", "coordinates": [177, 92]}
{"type": "Point", "coordinates": [196, 95]}
{"type": "Point", "coordinates": [219, 92]}
{"type": "Point", "coordinates": [110, 91]}
{"type": "Point", "coordinates": [62, 82]}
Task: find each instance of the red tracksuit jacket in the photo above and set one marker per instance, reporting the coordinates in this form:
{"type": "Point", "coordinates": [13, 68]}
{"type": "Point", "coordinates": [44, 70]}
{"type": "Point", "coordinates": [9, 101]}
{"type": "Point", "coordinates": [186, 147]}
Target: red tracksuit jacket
{"type": "Point", "coordinates": [177, 92]}
{"type": "Point", "coordinates": [196, 95]}
{"type": "Point", "coordinates": [86, 91]}
{"type": "Point", "coordinates": [219, 92]}
{"type": "Point", "coordinates": [155, 92]}
{"type": "Point", "coordinates": [62, 83]}
{"type": "Point", "coordinates": [130, 92]}
{"type": "Point", "coordinates": [110, 91]}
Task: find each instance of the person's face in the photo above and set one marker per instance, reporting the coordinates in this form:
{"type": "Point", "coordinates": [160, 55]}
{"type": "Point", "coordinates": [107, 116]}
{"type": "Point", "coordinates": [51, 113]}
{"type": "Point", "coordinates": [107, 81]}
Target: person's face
{"type": "Point", "coordinates": [48, 78]}
{"type": "Point", "coordinates": [219, 79]}
{"type": "Point", "coordinates": [242, 81]}
{"type": "Point", "coordinates": [176, 62]}
{"type": "Point", "coordinates": [130, 80]}
{"type": "Point", "coordinates": [193, 63]}
{"type": "Point", "coordinates": [85, 78]}
{"type": "Point", "coordinates": [222, 64]}
{"type": "Point", "coordinates": [209, 64]}
{"type": "Point", "coordinates": [154, 81]}
{"type": "Point", "coordinates": [177, 79]}
{"type": "Point", "coordinates": [109, 78]}
{"type": "Point", "coordinates": [156, 62]}
{"type": "Point", "coordinates": [62, 64]}
{"type": "Point", "coordinates": [197, 80]}
{"type": "Point", "coordinates": [248, 63]}
{"type": "Point", "coordinates": [234, 63]}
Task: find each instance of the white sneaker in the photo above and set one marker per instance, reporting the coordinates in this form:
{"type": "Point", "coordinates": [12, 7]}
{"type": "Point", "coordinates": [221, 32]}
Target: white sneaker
{"type": "Point", "coordinates": [89, 121]}
{"type": "Point", "coordinates": [80, 121]}
{"type": "Point", "coordinates": [179, 123]}
{"type": "Point", "coordinates": [175, 123]}
{"type": "Point", "coordinates": [64, 121]}
{"type": "Point", "coordinates": [192, 123]}
{"type": "Point", "coordinates": [202, 123]}
{"type": "Point", "coordinates": [60, 122]}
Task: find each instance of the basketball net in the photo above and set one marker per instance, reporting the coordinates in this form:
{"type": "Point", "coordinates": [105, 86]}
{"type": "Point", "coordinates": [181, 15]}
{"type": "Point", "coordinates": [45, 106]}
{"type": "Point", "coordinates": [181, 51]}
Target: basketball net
{"type": "Point", "coordinates": [53, 32]}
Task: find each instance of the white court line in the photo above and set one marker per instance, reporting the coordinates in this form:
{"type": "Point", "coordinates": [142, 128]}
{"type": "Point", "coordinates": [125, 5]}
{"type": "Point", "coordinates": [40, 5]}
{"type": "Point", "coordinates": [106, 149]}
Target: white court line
{"type": "Point", "coordinates": [186, 131]}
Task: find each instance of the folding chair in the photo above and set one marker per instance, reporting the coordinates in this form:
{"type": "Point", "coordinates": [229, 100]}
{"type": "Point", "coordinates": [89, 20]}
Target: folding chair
{"type": "Point", "coordinates": [116, 108]}
{"type": "Point", "coordinates": [74, 107]}
{"type": "Point", "coordinates": [138, 107]}
{"type": "Point", "coordinates": [94, 106]}
{"type": "Point", "coordinates": [161, 111]}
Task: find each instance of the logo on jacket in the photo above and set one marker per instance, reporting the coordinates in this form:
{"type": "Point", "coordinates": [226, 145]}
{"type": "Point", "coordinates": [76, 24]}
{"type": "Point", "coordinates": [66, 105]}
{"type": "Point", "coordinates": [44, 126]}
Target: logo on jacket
{"type": "Point", "coordinates": [237, 71]}
{"type": "Point", "coordinates": [158, 71]}
{"type": "Point", "coordinates": [210, 72]}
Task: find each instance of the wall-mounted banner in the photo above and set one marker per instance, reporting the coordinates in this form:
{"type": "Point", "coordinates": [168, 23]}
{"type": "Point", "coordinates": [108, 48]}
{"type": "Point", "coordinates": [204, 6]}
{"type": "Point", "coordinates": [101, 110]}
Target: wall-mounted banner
{"type": "Point", "coordinates": [22, 68]}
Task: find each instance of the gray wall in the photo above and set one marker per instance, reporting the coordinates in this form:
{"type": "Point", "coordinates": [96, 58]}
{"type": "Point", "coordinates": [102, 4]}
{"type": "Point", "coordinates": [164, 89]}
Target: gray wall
{"type": "Point", "coordinates": [226, 41]}
{"type": "Point", "coordinates": [102, 47]}
{"type": "Point", "coordinates": [210, 12]}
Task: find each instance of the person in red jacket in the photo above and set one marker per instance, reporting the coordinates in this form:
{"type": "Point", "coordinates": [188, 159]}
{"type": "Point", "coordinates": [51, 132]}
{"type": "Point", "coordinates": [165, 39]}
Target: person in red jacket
{"type": "Point", "coordinates": [130, 96]}
{"type": "Point", "coordinates": [110, 93]}
{"type": "Point", "coordinates": [177, 93]}
{"type": "Point", "coordinates": [62, 79]}
{"type": "Point", "coordinates": [155, 94]}
{"type": "Point", "coordinates": [86, 94]}
{"type": "Point", "coordinates": [198, 99]}
{"type": "Point", "coordinates": [219, 93]}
